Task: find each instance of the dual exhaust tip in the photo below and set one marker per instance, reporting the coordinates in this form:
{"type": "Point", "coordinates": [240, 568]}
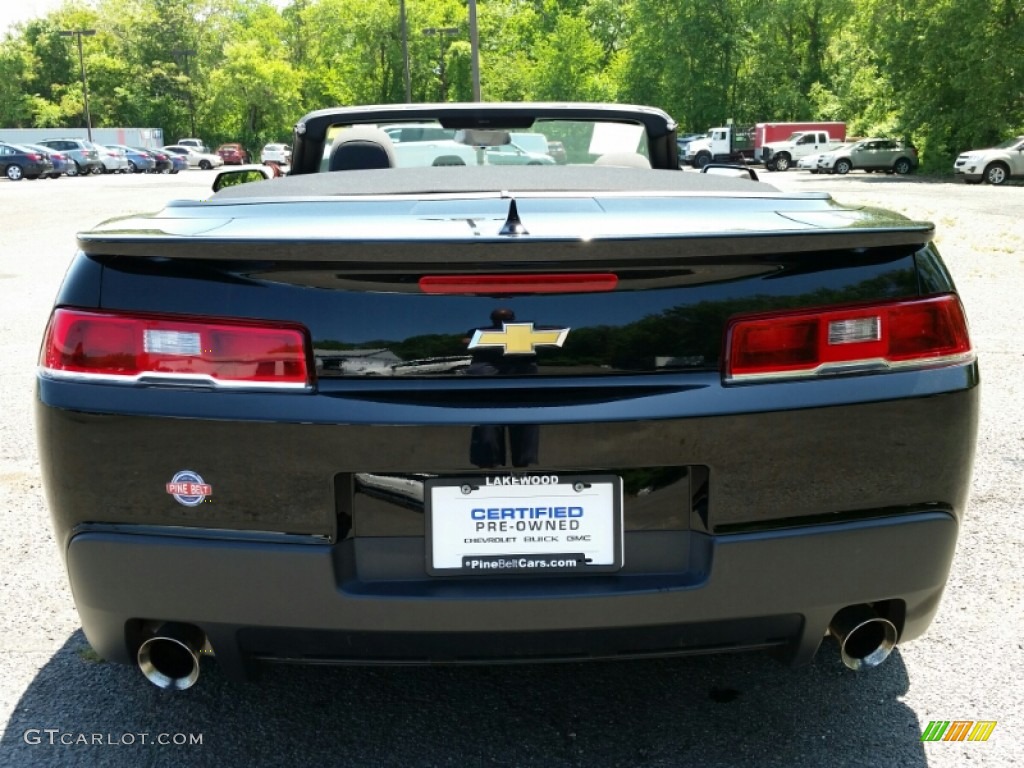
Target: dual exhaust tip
{"type": "Point", "coordinates": [170, 659]}
{"type": "Point", "coordinates": [865, 638]}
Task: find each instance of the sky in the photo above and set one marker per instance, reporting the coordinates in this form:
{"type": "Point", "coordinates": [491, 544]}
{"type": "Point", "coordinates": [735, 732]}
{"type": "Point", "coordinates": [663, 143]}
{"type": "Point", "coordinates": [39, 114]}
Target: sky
{"type": "Point", "coordinates": [13, 11]}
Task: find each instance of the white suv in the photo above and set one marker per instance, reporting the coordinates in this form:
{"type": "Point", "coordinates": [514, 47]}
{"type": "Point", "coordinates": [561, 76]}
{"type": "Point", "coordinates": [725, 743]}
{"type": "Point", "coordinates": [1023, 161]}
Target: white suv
{"type": "Point", "coordinates": [276, 153]}
{"type": "Point", "coordinates": [996, 165]}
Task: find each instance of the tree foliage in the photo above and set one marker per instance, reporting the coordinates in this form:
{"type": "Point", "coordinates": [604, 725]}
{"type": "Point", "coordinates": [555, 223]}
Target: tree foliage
{"type": "Point", "coordinates": [942, 73]}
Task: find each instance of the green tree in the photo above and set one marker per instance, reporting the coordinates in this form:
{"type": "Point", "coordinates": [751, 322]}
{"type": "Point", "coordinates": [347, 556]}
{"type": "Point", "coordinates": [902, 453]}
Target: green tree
{"type": "Point", "coordinates": [785, 58]}
{"type": "Point", "coordinates": [683, 57]}
{"type": "Point", "coordinates": [568, 64]}
{"type": "Point", "coordinates": [16, 105]}
{"type": "Point", "coordinates": [953, 66]}
{"type": "Point", "coordinates": [942, 73]}
{"type": "Point", "coordinates": [252, 97]}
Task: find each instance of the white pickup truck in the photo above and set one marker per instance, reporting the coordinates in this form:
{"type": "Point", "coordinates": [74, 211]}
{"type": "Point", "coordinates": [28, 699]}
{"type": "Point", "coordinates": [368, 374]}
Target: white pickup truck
{"type": "Point", "coordinates": [780, 155]}
{"type": "Point", "coordinates": [418, 144]}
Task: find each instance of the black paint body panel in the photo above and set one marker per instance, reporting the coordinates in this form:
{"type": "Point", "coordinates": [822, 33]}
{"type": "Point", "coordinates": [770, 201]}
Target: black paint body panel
{"type": "Point", "coordinates": [311, 543]}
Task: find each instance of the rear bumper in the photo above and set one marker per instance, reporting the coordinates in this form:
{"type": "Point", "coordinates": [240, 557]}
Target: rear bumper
{"type": "Point", "coordinates": [301, 599]}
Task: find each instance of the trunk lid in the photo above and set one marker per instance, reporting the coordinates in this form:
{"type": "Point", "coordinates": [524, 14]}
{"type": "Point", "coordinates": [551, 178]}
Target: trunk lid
{"type": "Point", "coordinates": [652, 279]}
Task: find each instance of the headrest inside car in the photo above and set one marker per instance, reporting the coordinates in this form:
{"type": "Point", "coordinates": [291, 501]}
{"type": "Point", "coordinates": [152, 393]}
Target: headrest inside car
{"type": "Point", "coordinates": [624, 160]}
{"type": "Point", "coordinates": [448, 160]}
{"type": "Point", "coordinates": [360, 148]}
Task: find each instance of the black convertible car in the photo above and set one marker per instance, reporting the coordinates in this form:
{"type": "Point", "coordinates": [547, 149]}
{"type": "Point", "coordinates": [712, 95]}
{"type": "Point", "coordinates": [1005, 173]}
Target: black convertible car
{"type": "Point", "coordinates": [405, 405]}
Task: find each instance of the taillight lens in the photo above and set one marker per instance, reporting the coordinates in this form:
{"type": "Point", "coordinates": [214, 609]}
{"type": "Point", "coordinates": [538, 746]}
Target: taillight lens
{"type": "Point", "coordinates": [169, 349]}
{"type": "Point", "coordinates": [489, 285]}
{"type": "Point", "coordinates": [902, 334]}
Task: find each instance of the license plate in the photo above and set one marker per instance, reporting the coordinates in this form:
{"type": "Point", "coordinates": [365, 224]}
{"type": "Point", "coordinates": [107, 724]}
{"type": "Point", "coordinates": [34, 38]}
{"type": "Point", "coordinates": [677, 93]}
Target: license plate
{"type": "Point", "coordinates": [523, 524]}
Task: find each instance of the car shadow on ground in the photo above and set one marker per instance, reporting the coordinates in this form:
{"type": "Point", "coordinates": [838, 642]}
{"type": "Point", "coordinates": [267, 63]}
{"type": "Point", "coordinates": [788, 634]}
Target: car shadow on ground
{"type": "Point", "coordinates": [726, 710]}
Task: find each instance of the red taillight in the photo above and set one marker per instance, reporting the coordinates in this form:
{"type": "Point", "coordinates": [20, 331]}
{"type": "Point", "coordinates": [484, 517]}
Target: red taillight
{"type": "Point", "coordinates": [129, 347]}
{"type": "Point", "coordinates": [489, 285]}
{"type": "Point", "coordinates": [915, 333]}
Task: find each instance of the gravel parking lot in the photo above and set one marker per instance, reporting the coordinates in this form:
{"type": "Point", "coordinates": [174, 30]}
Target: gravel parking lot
{"type": "Point", "coordinates": [62, 706]}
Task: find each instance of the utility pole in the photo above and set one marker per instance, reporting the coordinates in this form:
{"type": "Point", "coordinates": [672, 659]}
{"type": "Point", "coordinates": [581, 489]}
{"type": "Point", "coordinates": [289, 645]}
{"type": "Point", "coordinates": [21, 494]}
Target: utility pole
{"type": "Point", "coordinates": [81, 61]}
{"type": "Point", "coordinates": [405, 52]}
{"type": "Point", "coordinates": [474, 49]}
{"type": "Point", "coordinates": [186, 54]}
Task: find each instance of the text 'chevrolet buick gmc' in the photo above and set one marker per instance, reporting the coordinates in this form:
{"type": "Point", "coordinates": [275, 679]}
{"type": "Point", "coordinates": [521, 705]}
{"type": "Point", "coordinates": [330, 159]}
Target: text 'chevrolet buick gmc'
{"type": "Point", "coordinates": [442, 400]}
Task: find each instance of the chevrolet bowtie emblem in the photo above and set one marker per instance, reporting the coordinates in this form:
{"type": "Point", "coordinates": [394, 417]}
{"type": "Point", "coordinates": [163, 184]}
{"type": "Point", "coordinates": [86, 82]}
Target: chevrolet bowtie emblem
{"type": "Point", "coordinates": [518, 338]}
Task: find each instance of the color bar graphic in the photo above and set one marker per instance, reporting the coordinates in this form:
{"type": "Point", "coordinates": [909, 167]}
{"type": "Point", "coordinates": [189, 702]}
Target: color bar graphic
{"type": "Point", "coordinates": [958, 730]}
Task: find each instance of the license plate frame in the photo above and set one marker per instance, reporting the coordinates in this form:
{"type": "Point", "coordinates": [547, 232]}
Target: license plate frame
{"type": "Point", "coordinates": [532, 524]}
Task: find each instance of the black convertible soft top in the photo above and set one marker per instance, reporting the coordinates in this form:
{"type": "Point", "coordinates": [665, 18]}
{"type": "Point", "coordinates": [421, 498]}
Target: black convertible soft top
{"type": "Point", "coordinates": [484, 179]}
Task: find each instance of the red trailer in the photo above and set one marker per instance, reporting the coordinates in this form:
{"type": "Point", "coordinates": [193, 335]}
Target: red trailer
{"type": "Point", "coordinates": [765, 133]}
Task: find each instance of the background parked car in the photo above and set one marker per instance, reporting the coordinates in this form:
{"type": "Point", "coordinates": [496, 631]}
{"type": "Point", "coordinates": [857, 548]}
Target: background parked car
{"type": "Point", "coordinates": [683, 142]}
{"type": "Point", "coordinates": [514, 154]}
{"type": "Point", "coordinates": [114, 160]}
{"type": "Point", "coordinates": [869, 155]}
{"type": "Point", "coordinates": [996, 165]}
{"type": "Point", "coordinates": [810, 162]}
{"type": "Point", "coordinates": [139, 161]}
{"type": "Point", "coordinates": [196, 144]}
{"type": "Point", "coordinates": [162, 162]}
{"type": "Point", "coordinates": [276, 153]}
{"type": "Point", "coordinates": [59, 159]}
{"type": "Point", "coordinates": [85, 158]}
{"type": "Point", "coordinates": [18, 162]}
{"type": "Point", "coordinates": [233, 154]}
{"type": "Point", "coordinates": [202, 160]}
{"type": "Point", "coordinates": [557, 151]}
{"type": "Point", "coordinates": [178, 162]}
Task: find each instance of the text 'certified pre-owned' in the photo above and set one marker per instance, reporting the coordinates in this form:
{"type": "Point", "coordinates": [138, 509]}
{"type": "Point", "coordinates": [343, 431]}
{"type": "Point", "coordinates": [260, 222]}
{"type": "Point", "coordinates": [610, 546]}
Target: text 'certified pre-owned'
{"type": "Point", "coordinates": [521, 523]}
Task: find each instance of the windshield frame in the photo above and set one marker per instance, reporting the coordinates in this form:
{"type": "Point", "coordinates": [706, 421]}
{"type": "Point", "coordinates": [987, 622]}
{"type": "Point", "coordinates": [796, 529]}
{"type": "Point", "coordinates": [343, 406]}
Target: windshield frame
{"type": "Point", "coordinates": [311, 132]}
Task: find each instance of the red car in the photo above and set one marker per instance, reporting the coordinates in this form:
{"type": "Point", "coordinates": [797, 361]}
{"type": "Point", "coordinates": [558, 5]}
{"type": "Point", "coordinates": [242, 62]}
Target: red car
{"type": "Point", "coordinates": [233, 154]}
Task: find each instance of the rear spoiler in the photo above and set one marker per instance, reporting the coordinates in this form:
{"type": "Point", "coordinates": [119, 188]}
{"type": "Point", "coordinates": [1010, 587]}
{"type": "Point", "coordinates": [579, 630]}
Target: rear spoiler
{"type": "Point", "coordinates": [508, 250]}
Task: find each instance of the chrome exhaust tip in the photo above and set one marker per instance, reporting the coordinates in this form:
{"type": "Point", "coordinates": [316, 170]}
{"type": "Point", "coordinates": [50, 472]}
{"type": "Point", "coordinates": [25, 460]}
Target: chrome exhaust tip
{"type": "Point", "coordinates": [865, 638]}
{"type": "Point", "coordinates": [170, 659]}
